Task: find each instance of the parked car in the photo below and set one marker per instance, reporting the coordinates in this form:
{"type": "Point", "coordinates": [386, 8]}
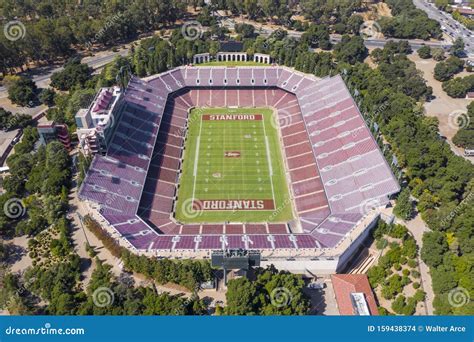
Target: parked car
{"type": "Point", "coordinates": [469, 152]}
{"type": "Point", "coordinates": [317, 286]}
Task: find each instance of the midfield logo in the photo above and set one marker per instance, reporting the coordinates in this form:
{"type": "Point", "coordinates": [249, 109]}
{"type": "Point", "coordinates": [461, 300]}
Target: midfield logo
{"type": "Point", "coordinates": [232, 154]}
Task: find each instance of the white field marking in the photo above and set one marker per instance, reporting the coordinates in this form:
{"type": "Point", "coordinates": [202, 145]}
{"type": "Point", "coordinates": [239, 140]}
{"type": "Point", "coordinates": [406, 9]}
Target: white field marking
{"type": "Point", "coordinates": [196, 158]}
{"type": "Point", "coordinates": [242, 159]}
{"type": "Point", "coordinates": [269, 160]}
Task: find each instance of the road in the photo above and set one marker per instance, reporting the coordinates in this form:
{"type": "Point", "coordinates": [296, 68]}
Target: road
{"type": "Point", "coordinates": [101, 59]}
{"type": "Point", "coordinates": [449, 25]}
{"type": "Point", "coordinates": [95, 62]}
{"type": "Point", "coordinates": [335, 38]}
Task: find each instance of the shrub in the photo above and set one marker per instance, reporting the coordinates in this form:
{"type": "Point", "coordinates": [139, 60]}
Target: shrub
{"type": "Point", "coordinates": [405, 280]}
{"type": "Point", "coordinates": [424, 52]}
{"type": "Point", "coordinates": [410, 307]}
{"type": "Point", "coordinates": [381, 244]}
{"type": "Point", "coordinates": [419, 295]}
{"type": "Point", "coordinates": [399, 304]}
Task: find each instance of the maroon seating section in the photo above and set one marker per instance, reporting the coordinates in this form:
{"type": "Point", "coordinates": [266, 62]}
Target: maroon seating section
{"type": "Point", "coordinates": [333, 162]}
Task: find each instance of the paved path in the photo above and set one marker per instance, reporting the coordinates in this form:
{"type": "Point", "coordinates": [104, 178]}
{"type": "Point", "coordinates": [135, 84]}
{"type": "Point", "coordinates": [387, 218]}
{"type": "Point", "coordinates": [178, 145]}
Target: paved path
{"type": "Point", "coordinates": [417, 227]}
{"type": "Point", "coordinates": [82, 234]}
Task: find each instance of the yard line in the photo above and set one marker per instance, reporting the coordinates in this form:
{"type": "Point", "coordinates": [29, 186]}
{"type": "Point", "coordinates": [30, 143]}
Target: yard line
{"type": "Point", "coordinates": [269, 160]}
{"type": "Point", "coordinates": [242, 159]}
{"type": "Point", "coordinates": [196, 158]}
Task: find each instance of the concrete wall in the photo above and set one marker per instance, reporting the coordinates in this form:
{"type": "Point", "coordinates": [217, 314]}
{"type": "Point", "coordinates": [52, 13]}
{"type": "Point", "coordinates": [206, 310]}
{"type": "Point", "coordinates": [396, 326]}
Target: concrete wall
{"type": "Point", "coordinates": [304, 266]}
{"type": "Point", "coordinates": [345, 258]}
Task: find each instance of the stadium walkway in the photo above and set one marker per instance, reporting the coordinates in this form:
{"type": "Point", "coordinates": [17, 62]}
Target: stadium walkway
{"type": "Point", "coordinates": [417, 227]}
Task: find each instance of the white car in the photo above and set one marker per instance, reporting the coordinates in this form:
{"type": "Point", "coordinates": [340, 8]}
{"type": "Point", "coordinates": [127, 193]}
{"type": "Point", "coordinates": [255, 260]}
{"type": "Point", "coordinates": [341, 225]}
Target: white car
{"type": "Point", "coordinates": [317, 286]}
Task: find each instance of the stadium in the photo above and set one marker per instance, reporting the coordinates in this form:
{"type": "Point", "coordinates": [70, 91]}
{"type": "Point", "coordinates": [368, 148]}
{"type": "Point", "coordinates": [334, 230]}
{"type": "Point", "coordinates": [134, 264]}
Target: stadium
{"type": "Point", "coordinates": [260, 158]}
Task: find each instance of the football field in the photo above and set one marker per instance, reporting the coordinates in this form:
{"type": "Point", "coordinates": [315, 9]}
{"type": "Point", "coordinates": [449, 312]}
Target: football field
{"type": "Point", "coordinates": [233, 169]}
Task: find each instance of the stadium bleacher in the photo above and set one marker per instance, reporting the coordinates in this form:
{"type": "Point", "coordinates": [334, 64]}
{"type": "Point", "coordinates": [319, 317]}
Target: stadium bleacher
{"type": "Point", "coordinates": [334, 163]}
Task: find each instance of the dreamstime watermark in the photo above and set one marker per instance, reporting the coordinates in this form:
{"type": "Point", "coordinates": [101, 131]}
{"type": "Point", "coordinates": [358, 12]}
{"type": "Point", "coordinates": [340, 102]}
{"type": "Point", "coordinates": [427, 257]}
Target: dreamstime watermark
{"type": "Point", "coordinates": [46, 330]}
{"type": "Point", "coordinates": [280, 297]}
{"type": "Point", "coordinates": [277, 35]}
{"type": "Point", "coordinates": [103, 297]}
{"type": "Point", "coordinates": [192, 208]}
{"type": "Point", "coordinates": [14, 208]}
{"type": "Point", "coordinates": [456, 210]}
{"type": "Point", "coordinates": [22, 291]}
{"type": "Point", "coordinates": [108, 24]}
{"type": "Point", "coordinates": [369, 206]}
{"type": "Point", "coordinates": [281, 119]}
{"type": "Point", "coordinates": [458, 297]}
{"type": "Point", "coordinates": [371, 30]}
{"type": "Point", "coordinates": [459, 119]}
{"type": "Point", "coordinates": [14, 30]}
{"type": "Point", "coordinates": [192, 30]}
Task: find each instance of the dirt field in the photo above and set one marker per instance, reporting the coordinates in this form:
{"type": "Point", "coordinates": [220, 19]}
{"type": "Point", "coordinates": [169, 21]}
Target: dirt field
{"type": "Point", "coordinates": [443, 105]}
{"type": "Point", "coordinates": [376, 11]}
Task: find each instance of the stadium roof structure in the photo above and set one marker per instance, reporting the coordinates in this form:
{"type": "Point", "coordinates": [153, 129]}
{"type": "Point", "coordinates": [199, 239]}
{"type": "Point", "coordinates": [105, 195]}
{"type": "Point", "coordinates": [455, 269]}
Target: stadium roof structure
{"type": "Point", "coordinates": [344, 173]}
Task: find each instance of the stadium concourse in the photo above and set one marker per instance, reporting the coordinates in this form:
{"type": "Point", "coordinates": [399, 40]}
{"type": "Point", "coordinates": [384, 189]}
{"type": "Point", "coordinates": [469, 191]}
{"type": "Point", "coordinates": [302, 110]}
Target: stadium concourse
{"type": "Point", "coordinates": [336, 172]}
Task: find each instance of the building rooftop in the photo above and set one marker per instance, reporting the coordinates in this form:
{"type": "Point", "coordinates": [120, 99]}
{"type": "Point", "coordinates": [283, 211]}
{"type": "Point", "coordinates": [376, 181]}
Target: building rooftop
{"type": "Point", "coordinates": [354, 295]}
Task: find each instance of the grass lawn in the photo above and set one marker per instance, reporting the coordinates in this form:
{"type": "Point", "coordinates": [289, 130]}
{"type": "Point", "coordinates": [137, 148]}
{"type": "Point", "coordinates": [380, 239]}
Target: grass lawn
{"type": "Point", "coordinates": [232, 64]}
{"type": "Point", "coordinates": [233, 168]}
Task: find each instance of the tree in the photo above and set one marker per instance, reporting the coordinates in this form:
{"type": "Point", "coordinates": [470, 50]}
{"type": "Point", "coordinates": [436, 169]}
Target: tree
{"type": "Point", "coordinates": [459, 87]}
{"type": "Point", "coordinates": [376, 275]}
{"type": "Point", "coordinates": [409, 22]}
{"type": "Point", "coordinates": [272, 293]}
{"type": "Point", "coordinates": [457, 49]}
{"type": "Point", "coordinates": [350, 49]}
{"type": "Point", "coordinates": [445, 70]}
{"type": "Point", "coordinates": [465, 135]}
{"type": "Point", "coordinates": [404, 206]}
{"type": "Point", "coordinates": [245, 30]}
{"type": "Point", "coordinates": [434, 248]}
{"type": "Point", "coordinates": [22, 92]}
{"type": "Point", "coordinates": [46, 96]}
{"type": "Point", "coordinates": [74, 74]}
{"type": "Point", "coordinates": [317, 36]}
{"type": "Point", "coordinates": [354, 23]}
{"type": "Point", "coordinates": [241, 295]}
{"type": "Point", "coordinates": [438, 54]}
{"type": "Point", "coordinates": [399, 304]}
{"type": "Point", "coordinates": [424, 52]}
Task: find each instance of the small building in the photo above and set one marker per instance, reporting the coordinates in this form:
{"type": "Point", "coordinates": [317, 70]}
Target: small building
{"type": "Point", "coordinates": [354, 296]}
{"type": "Point", "coordinates": [464, 10]}
{"type": "Point", "coordinates": [50, 131]}
{"type": "Point", "coordinates": [470, 95]}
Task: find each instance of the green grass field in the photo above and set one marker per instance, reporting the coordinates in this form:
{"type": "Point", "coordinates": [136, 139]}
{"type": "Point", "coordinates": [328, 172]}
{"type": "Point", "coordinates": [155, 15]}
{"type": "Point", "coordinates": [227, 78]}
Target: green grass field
{"type": "Point", "coordinates": [230, 167]}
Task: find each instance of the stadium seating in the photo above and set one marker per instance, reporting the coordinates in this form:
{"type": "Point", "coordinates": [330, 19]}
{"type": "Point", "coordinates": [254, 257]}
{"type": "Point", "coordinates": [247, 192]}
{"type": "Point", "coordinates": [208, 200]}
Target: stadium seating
{"type": "Point", "coordinates": [334, 164]}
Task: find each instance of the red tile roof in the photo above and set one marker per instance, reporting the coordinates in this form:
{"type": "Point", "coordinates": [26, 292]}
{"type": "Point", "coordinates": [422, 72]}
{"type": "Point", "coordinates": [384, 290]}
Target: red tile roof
{"type": "Point", "coordinates": [345, 284]}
